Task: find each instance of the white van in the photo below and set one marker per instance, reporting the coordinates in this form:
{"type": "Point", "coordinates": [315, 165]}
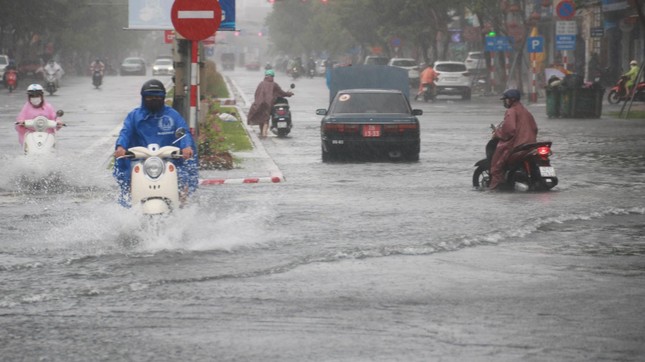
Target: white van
{"type": "Point", "coordinates": [4, 61]}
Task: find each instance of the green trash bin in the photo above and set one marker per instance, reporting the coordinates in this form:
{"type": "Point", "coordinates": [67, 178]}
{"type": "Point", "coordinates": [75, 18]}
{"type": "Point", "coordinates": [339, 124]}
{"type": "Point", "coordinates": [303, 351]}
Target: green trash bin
{"type": "Point", "coordinates": [566, 102]}
{"type": "Point", "coordinates": [553, 102]}
{"type": "Point", "coordinates": [581, 102]}
{"type": "Point", "coordinates": [587, 102]}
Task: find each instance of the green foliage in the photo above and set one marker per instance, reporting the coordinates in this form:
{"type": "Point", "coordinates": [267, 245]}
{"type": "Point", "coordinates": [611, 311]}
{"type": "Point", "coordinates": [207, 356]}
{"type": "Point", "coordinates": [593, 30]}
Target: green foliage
{"type": "Point", "coordinates": [216, 136]}
{"type": "Point", "coordinates": [215, 87]}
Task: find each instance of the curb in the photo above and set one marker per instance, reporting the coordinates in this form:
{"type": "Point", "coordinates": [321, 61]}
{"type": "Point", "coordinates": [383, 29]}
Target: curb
{"type": "Point", "coordinates": [275, 175]}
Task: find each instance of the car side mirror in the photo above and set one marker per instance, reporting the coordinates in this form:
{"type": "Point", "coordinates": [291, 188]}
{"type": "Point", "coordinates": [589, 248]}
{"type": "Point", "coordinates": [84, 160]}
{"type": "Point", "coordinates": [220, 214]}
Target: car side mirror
{"type": "Point", "coordinates": [417, 112]}
{"type": "Point", "coordinates": [321, 112]}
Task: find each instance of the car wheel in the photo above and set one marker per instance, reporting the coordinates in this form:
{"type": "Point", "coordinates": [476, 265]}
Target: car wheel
{"type": "Point", "coordinates": [412, 156]}
{"type": "Point", "coordinates": [466, 95]}
{"type": "Point", "coordinates": [327, 156]}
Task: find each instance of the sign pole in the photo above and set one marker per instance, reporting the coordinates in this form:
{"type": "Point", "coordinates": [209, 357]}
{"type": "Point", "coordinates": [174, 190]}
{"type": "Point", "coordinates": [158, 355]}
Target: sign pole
{"type": "Point", "coordinates": [565, 60]}
{"type": "Point", "coordinates": [492, 72]}
{"type": "Point", "coordinates": [533, 96]}
{"type": "Point", "coordinates": [194, 87]}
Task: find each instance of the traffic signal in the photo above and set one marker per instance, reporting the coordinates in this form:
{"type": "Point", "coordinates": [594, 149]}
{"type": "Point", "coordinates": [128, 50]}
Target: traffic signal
{"type": "Point", "coordinates": [492, 33]}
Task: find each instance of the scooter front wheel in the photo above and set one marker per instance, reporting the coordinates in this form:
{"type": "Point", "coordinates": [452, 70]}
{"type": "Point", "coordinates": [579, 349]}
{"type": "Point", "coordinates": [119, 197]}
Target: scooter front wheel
{"type": "Point", "coordinates": [613, 97]}
{"type": "Point", "coordinates": [481, 177]}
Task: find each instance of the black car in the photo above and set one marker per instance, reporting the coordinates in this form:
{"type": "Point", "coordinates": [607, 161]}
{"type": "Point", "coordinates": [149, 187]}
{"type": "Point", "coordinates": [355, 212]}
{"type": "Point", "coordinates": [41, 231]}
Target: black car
{"type": "Point", "coordinates": [370, 123]}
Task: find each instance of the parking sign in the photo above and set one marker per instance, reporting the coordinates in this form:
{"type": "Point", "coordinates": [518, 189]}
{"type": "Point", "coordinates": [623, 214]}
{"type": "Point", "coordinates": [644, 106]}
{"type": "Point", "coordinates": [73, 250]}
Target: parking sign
{"type": "Point", "coordinates": [535, 44]}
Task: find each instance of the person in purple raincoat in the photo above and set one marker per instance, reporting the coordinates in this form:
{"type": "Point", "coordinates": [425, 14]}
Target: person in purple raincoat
{"type": "Point", "coordinates": [518, 128]}
{"type": "Point", "coordinates": [265, 95]}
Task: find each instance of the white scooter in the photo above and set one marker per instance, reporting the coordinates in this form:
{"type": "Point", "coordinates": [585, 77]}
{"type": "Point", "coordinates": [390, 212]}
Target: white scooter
{"type": "Point", "coordinates": [154, 184]}
{"type": "Point", "coordinates": [37, 140]}
{"type": "Point", "coordinates": [51, 81]}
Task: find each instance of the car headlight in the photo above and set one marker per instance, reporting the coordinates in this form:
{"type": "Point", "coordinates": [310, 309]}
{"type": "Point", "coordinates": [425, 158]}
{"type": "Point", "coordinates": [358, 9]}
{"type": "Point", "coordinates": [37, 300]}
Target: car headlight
{"type": "Point", "coordinates": [153, 167]}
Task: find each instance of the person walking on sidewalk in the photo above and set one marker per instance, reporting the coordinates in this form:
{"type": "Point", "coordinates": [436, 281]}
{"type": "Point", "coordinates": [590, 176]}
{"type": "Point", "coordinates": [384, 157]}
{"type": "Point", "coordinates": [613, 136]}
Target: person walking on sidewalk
{"type": "Point", "coordinates": [265, 95]}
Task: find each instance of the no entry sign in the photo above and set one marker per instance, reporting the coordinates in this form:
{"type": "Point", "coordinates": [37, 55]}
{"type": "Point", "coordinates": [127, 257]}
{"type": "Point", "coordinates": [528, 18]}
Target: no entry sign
{"type": "Point", "coordinates": [196, 19]}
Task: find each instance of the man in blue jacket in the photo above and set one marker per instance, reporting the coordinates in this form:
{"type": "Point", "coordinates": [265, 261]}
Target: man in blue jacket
{"type": "Point", "coordinates": [154, 122]}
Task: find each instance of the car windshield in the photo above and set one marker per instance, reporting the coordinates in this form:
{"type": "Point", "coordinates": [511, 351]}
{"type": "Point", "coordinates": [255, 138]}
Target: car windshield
{"type": "Point", "coordinates": [132, 61]}
{"type": "Point", "coordinates": [370, 103]}
{"type": "Point", "coordinates": [376, 61]}
{"type": "Point", "coordinates": [450, 67]}
{"type": "Point", "coordinates": [3, 61]}
{"type": "Point", "coordinates": [475, 56]}
{"type": "Point", "coordinates": [163, 62]}
{"type": "Point", "coordinates": [404, 63]}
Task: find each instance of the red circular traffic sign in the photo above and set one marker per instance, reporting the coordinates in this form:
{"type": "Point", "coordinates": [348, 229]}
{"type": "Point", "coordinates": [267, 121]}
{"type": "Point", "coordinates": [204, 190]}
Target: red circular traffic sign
{"type": "Point", "coordinates": [565, 9]}
{"type": "Point", "coordinates": [196, 19]}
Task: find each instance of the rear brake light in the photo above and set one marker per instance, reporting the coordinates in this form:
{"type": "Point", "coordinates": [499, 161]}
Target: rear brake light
{"type": "Point", "coordinates": [281, 111]}
{"type": "Point", "coordinates": [400, 127]}
{"type": "Point", "coordinates": [466, 74]}
{"type": "Point", "coordinates": [341, 128]}
{"type": "Point", "coordinates": [543, 151]}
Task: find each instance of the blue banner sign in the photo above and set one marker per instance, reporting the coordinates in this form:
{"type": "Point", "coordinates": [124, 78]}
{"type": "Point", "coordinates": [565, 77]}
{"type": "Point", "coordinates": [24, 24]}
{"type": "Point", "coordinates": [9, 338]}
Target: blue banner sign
{"type": "Point", "coordinates": [155, 15]}
{"type": "Point", "coordinates": [565, 42]}
{"type": "Point", "coordinates": [499, 44]}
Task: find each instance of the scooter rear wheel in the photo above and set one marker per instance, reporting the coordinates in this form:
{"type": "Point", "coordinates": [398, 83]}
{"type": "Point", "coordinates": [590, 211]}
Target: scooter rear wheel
{"type": "Point", "coordinates": [613, 97]}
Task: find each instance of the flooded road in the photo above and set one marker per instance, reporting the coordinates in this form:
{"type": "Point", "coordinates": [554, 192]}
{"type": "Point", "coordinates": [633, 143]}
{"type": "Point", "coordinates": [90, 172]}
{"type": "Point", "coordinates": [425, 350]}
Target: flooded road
{"type": "Point", "coordinates": [343, 262]}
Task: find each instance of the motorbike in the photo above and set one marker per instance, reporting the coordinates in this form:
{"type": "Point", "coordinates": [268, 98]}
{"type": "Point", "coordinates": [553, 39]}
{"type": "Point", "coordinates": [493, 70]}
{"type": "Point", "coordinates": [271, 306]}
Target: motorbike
{"type": "Point", "coordinates": [428, 92]}
{"type": "Point", "coordinates": [97, 78]}
{"type": "Point", "coordinates": [527, 169]}
{"type": "Point", "coordinates": [38, 141]}
{"type": "Point", "coordinates": [51, 83]}
{"type": "Point", "coordinates": [11, 80]}
{"type": "Point", "coordinates": [154, 186]}
{"type": "Point", "coordinates": [619, 93]}
{"type": "Point", "coordinates": [295, 72]}
{"type": "Point", "coordinates": [281, 116]}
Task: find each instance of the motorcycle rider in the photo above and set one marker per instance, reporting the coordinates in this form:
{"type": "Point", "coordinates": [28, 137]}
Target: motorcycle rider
{"type": "Point", "coordinates": [265, 95]}
{"type": "Point", "coordinates": [517, 128]}
{"type": "Point", "coordinates": [97, 65]}
{"type": "Point", "coordinates": [155, 122]}
{"type": "Point", "coordinates": [631, 77]}
{"type": "Point", "coordinates": [428, 76]}
{"type": "Point", "coordinates": [34, 107]}
{"type": "Point", "coordinates": [54, 68]}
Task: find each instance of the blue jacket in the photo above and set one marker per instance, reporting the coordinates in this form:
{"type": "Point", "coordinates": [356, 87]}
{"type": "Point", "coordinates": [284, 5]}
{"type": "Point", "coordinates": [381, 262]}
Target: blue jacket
{"type": "Point", "coordinates": [141, 128]}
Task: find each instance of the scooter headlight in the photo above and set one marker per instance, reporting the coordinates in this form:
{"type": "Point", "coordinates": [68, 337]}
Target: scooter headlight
{"type": "Point", "coordinates": [153, 167]}
{"type": "Point", "coordinates": [40, 124]}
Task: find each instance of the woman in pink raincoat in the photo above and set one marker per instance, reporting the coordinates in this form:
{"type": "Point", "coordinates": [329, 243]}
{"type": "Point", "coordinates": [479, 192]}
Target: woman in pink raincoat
{"type": "Point", "coordinates": [35, 106]}
{"type": "Point", "coordinates": [265, 95]}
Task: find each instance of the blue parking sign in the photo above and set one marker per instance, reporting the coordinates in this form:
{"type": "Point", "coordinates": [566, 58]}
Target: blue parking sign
{"type": "Point", "coordinates": [535, 44]}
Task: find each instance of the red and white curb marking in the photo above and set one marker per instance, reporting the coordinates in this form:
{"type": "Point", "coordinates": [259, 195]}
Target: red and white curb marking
{"type": "Point", "coordinates": [249, 180]}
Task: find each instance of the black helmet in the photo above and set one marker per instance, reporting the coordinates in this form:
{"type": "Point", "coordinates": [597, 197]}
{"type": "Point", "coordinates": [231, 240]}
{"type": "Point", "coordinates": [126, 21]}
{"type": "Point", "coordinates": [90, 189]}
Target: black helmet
{"type": "Point", "coordinates": [153, 87]}
{"type": "Point", "coordinates": [511, 94]}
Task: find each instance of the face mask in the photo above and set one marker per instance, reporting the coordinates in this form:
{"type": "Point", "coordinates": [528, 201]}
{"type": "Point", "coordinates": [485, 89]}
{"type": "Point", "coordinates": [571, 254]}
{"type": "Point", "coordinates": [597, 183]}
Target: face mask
{"type": "Point", "coordinates": [154, 104]}
{"type": "Point", "coordinates": [35, 101]}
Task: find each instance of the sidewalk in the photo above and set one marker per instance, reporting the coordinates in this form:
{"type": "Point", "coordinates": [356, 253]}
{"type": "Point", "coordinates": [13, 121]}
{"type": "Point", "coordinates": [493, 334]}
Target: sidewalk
{"type": "Point", "coordinates": [255, 166]}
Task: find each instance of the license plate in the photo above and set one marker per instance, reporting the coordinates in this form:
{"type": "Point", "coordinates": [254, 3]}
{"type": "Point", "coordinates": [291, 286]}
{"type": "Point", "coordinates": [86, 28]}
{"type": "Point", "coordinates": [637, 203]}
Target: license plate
{"type": "Point", "coordinates": [547, 171]}
{"type": "Point", "coordinates": [371, 130]}
{"type": "Point", "coordinates": [450, 79]}
{"type": "Point", "coordinates": [282, 124]}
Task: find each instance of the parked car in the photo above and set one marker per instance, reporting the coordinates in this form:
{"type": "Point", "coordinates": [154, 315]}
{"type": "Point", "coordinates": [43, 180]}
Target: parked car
{"type": "Point", "coordinates": [253, 65]}
{"type": "Point", "coordinates": [4, 61]}
{"type": "Point", "coordinates": [133, 65]}
{"type": "Point", "coordinates": [376, 60]}
{"type": "Point", "coordinates": [410, 65]}
{"type": "Point", "coordinates": [370, 122]}
{"type": "Point", "coordinates": [29, 68]}
{"type": "Point", "coordinates": [453, 79]}
{"type": "Point", "coordinates": [475, 61]}
{"type": "Point", "coordinates": [163, 66]}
